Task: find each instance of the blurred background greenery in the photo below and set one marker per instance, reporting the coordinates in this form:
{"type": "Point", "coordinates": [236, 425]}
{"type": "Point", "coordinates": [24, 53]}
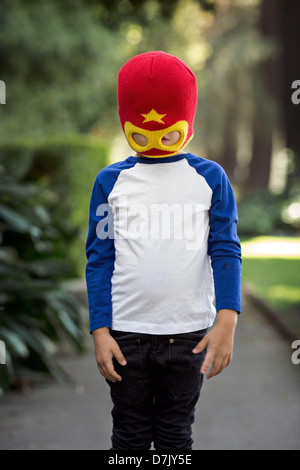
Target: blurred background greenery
{"type": "Point", "coordinates": [59, 127]}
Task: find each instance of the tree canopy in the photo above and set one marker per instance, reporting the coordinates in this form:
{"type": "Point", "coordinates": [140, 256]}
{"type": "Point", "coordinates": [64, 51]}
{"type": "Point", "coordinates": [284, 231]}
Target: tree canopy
{"type": "Point", "coordinates": [60, 60]}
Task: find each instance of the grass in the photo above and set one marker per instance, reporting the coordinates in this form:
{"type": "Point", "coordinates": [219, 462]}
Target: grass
{"type": "Point", "coordinates": [271, 267]}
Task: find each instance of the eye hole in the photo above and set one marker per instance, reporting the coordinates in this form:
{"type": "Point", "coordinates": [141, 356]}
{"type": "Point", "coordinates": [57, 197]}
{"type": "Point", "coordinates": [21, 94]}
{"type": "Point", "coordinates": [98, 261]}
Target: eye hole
{"type": "Point", "coordinates": [171, 138]}
{"type": "Point", "coordinates": [140, 139]}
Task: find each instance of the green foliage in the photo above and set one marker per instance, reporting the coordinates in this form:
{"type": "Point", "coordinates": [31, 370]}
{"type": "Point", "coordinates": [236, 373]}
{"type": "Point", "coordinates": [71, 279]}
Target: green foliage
{"type": "Point", "coordinates": [59, 65]}
{"type": "Point", "coordinates": [45, 187]}
{"type": "Point", "coordinates": [261, 213]}
{"type": "Point", "coordinates": [60, 62]}
{"type": "Point", "coordinates": [291, 211]}
{"type": "Point", "coordinates": [116, 12]}
{"type": "Point", "coordinates": [231, 81]}
{"type": "Point", "coordinates": [36, 313]}
{"type": "Point", "coordinates": [68, 165]}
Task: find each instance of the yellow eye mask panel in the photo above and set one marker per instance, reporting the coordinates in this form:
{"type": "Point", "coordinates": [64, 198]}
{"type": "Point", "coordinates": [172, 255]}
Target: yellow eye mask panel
{"type": "Point", "coordinates": [154, 138]}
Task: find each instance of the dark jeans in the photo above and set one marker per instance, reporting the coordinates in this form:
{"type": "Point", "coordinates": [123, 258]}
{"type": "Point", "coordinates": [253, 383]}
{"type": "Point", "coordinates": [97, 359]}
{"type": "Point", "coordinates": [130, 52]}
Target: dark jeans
{"type": "Point", "coordinates": [155, 401]}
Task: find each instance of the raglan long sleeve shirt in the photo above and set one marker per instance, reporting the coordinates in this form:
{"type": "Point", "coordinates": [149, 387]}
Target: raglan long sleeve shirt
{"type": "Point", "coordinates": [162, 247]}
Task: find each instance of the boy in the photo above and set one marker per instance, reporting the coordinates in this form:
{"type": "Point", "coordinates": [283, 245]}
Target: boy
{"type": "Point", "coordinates": [162, 242]}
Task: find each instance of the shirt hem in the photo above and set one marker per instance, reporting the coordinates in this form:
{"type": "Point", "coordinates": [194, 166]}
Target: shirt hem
{"type": "Point", "coordinates": [155, 329]}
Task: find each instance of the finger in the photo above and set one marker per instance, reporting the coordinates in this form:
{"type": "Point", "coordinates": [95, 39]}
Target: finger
{"type": "Point", "coordinates": [109, 373]}
{"type": "Point", "coordinates": [218, 366]}
{"type": "Point", "coordinates": [207, 362]}
{"type": "Point", "coordinates": [200, 346]}
{"type": "Point", "coordinates": [114, 377]}
{"type": "Point", "coordinates": [106, 369]}
{"type": "Point", "coordinates": [119, 355]}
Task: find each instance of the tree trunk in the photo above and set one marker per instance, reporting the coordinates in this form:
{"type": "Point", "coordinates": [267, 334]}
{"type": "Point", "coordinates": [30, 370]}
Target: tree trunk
{"type": "Point", "coordinates": [260, 165]}
{"type": "Point", "coordinates": [268, 95]}
{"type": "Point", "coordinates": [291, 67]}
{"type": "Point", "coordinates": [229, 144]}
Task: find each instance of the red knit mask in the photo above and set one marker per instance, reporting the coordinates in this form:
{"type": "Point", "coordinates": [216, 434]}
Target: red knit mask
{"type": "Point", "coordinates": [157, 94]}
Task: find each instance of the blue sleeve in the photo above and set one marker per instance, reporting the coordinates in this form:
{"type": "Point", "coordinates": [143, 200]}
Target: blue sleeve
{"type": "Point", "coordinates": [224, 246]}
{"type": "Point", "coordinates": [100, 253]}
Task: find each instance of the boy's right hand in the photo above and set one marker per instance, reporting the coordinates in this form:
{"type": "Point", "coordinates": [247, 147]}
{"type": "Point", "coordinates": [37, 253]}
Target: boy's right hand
{"type": "Point", "coordinates": [106, 348]}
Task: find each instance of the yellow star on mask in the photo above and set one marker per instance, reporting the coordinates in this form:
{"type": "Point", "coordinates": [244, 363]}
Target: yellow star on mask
{"type": "Point", "coordinates": [153, 116]}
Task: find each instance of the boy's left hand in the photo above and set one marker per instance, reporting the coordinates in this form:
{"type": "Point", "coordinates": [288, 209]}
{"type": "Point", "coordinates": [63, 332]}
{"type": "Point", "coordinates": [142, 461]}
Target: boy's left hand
{"type": "Point", "coordinates": [219, 343]}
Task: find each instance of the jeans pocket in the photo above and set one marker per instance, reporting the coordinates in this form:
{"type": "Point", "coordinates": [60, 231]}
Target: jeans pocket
{"type": "Point", "coordinates": [183, 377]}
{"type": "Point", "coordinates": [133, 374]}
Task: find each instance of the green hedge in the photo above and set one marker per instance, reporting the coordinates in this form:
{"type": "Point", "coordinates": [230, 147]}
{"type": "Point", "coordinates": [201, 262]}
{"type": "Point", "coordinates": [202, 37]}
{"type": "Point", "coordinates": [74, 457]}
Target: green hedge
{"type": "Point", "coordinates": [44, 195]}
{"type": "Point", "coordinates": [68, 166]}
{"type": "Point", "coordinates": [261, 213]}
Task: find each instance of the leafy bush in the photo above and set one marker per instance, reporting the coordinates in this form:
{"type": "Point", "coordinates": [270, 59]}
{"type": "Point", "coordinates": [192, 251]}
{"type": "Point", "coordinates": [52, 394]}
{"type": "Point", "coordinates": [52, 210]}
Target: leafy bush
{"type": "Point", "coordinates": [36, 312]}
{"type": "Point", "coordinates": [291, 211]}
{"type": "Point", "coordinates": [60, 65]}
{"type": "Point", "coordinates": [68, 165]}
{"type": "Point", "coordinates": [260, 213]}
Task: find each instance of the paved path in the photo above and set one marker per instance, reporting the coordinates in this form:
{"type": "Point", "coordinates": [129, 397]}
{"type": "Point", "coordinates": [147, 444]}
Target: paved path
{"type": "Point", "coordinates": [254, 404]}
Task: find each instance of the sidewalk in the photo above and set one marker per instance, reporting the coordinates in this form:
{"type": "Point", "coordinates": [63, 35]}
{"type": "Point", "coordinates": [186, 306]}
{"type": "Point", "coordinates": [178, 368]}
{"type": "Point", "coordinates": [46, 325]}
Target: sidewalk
{"type": "Point", "coordinates": [253, 404]}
